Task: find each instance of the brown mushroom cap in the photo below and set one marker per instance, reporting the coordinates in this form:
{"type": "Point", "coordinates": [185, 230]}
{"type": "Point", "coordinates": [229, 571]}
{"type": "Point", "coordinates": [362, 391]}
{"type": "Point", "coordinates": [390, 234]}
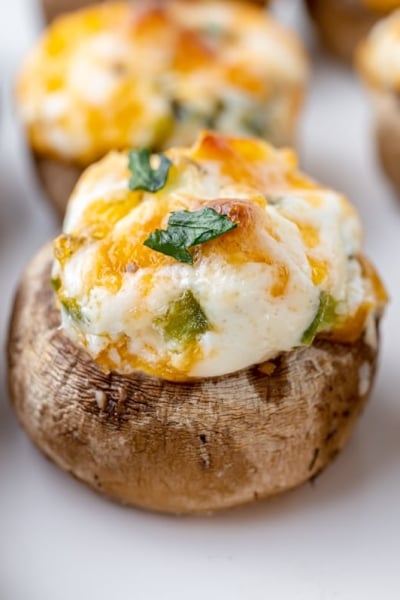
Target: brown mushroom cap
{"type": "Point", "coordinates": [180, 447]}
{"type": "Point", "coordinates": [58, 180]}
{"type": "Point", "coordinates": [342, 24]}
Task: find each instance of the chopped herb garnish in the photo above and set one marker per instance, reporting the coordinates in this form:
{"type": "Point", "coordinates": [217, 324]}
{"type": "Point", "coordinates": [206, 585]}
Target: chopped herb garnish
{"type": "Point", "coordinates": [187, 229]}
{"type": "Point", "coordinates": [213, 30]}
{"type": "Point", "coordinates": [211, 120]}
{"type": "Point", "coordinates": [184, 319]}
{"type": "Point", "coordinates": [274, 200]}
{"type": "Point", "coordinates": [55, 283]}
{"type": "Point", "coordinates": [179, 110]}
{"type": "Point", "coordinates": [254, 123]}
{"type": "Point", "coordinates": [144, 176]}
{"type": "Point", "coordinates": [325, 316]}
{"type": "Point", "coordinates": [72, 308]}
{"type": "Point", "coordinates": [189, 113]}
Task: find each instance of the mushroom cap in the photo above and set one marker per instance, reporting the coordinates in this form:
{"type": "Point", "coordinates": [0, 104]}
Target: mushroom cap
{"type": "Point", "coordinates": [180, 447]}
{"type": "Point", "coordinates": [342, 24]}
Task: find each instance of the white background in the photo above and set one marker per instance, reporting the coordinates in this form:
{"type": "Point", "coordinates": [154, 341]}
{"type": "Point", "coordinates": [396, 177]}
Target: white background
{"type": "Point", "coordinates": [338, 539]}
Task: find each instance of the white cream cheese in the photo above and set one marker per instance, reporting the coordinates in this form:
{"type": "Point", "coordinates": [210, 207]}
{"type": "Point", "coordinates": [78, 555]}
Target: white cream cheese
{"type": "Point", "coordinates": [259, 286]}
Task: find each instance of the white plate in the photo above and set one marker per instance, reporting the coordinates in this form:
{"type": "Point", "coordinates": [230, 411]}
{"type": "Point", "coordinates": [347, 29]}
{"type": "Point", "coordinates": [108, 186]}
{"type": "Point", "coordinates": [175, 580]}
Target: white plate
{"type": "Point", "coordinates": [335, 540]}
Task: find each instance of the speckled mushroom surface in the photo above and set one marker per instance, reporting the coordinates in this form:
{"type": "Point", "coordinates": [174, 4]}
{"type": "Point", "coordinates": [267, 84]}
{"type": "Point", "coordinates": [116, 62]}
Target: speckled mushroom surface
{"type": "Point", "coordinates": [190, 447]}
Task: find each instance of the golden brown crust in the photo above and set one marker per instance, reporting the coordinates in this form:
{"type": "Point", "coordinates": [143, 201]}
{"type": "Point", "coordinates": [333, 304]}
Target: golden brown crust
{"type": "Point", "coordinates": [58, 180]}
{"type": "Point", "coordinates": [53, 8]}
{"type": "Point", "coordinates": [180, 448]}
{"type": "Point", "coordinates": [342, 24]}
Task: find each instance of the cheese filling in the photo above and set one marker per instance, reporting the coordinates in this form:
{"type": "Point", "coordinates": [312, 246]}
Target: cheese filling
{"type": "Point", "coordinates": [291, 269]}
{"type": "Point", "coordinates": [150, 74]}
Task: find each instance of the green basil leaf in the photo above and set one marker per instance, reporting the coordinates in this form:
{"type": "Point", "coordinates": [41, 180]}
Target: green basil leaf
{"type": "Point", "coordinates": [326, 315]}
{"type": "Point", "coordinates": [187, 229]}
{"type": "Point", "coordinates": [184, 320]}
{"type": "Point", "coordinates": [144, 177]}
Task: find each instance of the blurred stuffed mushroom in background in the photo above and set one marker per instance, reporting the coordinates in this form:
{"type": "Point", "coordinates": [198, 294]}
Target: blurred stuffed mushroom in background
{"type": "Point", "coordinates": [138, 74]}
{"type": "Point", "coordinates": [342, 24]}
{"type": "Point", "coordinates": [378, 61]}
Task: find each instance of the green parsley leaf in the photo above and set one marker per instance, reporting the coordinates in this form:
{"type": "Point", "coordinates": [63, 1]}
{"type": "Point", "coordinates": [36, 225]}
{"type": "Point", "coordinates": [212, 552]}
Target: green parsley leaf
{"type": "Point", "coordinates": [187, 229]}
{"type": "Point", "coordinates": [184, 320]}
{"type": "Point", "coordinates": [144, 177]}
{"type": "Point", "coordinates": [325, 316]}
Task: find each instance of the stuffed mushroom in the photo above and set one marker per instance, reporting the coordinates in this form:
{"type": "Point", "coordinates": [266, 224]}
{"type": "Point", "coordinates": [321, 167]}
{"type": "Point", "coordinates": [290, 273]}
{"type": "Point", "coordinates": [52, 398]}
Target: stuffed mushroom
{"type": "Point", "coordinates": [342, 24]}
{"type": "Point", "coordinates": [152, 74]}
{"type": "Point", "coordinates": [378, 60]}
{"type": "Point", "coordinates": [204, 331]}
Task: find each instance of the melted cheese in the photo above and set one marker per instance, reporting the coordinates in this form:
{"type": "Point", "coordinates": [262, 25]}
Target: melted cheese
{"type": "Point", "coordinates": [150, 74]}
{"type": "Point", "coordinates": [379, 55]}
{"type": "Point", "coordinates": [252, 293]}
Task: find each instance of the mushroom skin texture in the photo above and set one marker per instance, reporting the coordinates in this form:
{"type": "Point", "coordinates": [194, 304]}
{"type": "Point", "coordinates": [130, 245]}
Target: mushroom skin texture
{"type": "Point", "coordinates": [58, 180]}
{"type": "Point", "coordinates": [342, 24]}
{"type": "Point", "coordinates": [194, 447]}
{"type": "Point", "coordinates": [53, 8]}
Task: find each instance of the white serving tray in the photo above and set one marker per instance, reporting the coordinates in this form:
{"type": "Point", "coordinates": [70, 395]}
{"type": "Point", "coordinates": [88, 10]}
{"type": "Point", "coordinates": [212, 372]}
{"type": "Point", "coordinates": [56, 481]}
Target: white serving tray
{"type": "Point", "coordinates": [338, 539]}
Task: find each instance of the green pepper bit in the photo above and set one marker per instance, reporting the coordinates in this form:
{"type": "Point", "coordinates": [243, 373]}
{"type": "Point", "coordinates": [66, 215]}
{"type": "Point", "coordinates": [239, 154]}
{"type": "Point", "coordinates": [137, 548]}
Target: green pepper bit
{"type": "Point", "coordinates": [73, 309]}
{"type": "Point", "coordinates": [184, 320]}
{"type": "Point", "coordinates": [325, 317]}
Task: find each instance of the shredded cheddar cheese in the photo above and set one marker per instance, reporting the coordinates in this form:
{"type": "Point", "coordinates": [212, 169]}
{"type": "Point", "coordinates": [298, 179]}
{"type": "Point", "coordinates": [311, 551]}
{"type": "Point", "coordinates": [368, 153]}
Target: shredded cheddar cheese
{"type": "Point", "coordinates": [291, 269]}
